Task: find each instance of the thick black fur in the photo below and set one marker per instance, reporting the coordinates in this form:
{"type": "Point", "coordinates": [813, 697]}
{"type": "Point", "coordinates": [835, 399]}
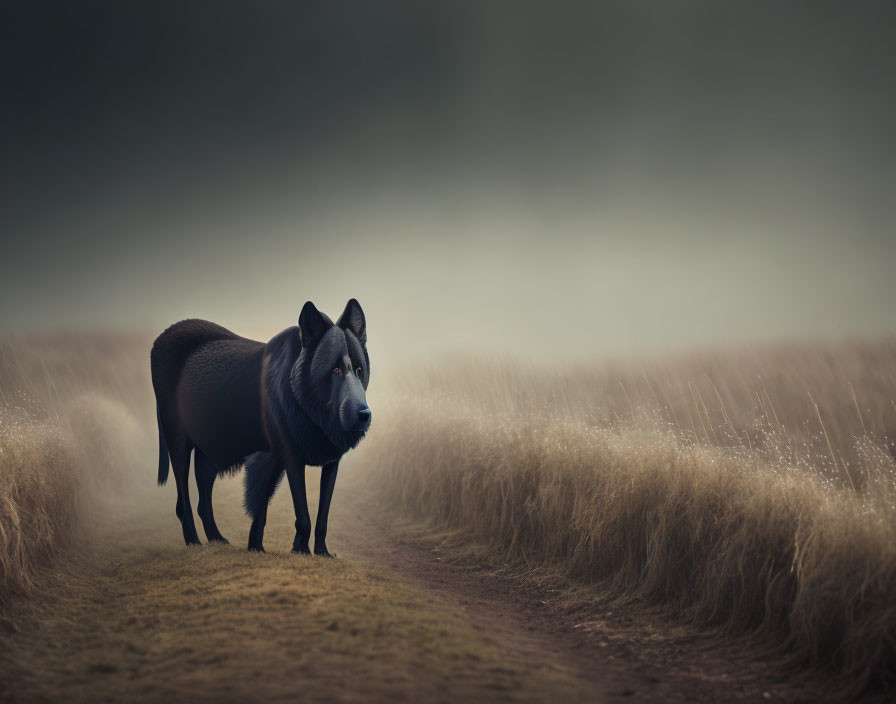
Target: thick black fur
{"type": "Point", "coordinates": [276, 407]}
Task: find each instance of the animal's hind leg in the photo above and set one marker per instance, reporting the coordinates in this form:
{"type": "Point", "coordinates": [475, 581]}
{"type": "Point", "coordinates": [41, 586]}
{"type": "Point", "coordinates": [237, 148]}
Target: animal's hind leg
{"type": "Point", "coordinates": [256, 531]}
{"type": "Point", "coordinates": [180, 462]}
{"type": "Point", "coordinates": [263, 474]}
{"type": "Point", "coordinates": [206, 472]}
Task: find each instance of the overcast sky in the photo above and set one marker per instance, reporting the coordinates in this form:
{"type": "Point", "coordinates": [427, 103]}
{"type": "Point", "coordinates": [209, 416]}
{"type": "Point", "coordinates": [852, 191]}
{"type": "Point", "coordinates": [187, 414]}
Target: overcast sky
{"type": "Point", "coordinates": [554, 178]}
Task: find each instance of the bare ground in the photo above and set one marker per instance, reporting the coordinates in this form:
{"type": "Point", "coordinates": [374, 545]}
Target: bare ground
{"type": "Point", "coordinates": [133, 615]}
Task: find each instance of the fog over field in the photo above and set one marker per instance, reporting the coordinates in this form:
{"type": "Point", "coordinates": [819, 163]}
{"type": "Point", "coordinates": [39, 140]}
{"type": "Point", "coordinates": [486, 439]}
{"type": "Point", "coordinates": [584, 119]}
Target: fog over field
{"type": "Point", "coordinates": [562, 180]}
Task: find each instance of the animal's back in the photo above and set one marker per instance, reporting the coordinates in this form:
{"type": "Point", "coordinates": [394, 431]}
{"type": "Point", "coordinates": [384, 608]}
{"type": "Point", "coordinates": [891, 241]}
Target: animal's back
{"type": "Point", "coordinates": [172, 348]}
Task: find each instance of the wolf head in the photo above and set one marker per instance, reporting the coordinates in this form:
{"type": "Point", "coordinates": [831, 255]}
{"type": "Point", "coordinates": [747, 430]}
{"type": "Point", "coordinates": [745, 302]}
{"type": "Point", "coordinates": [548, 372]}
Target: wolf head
{"type": "Point", "coordinates": [330, 377]}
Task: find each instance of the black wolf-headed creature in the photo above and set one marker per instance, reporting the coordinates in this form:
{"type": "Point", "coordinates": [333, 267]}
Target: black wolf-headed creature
{"type": "Point", "coordinates": [297, 400]}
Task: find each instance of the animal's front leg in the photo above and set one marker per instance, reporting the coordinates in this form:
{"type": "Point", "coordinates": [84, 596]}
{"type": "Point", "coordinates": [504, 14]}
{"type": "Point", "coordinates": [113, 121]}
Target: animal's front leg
{"type": "Point", "coordinates": [327, 482]}
{"type": "Point", "coordinates": [296, 474]}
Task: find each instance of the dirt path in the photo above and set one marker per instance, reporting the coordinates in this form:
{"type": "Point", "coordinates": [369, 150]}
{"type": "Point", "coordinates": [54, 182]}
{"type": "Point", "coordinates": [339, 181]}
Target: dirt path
{"type": "Point", "coordinates": [621, 656]}
{"type": "Point", "coordinates": [136, 616]}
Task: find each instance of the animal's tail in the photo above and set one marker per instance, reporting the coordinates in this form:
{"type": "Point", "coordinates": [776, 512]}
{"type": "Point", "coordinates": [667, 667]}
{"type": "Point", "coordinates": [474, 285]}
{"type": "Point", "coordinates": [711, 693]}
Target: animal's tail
{"type": "Point", "coordinates": [263, 476]}
{"type": "Point", "coordinates": [163, 451]}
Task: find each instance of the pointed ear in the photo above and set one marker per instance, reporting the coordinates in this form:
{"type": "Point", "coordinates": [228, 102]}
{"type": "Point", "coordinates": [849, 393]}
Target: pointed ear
{"type": "Point", "coordinates": [312, 324]}
{"type": "Point", "coordinates": [352, 318]}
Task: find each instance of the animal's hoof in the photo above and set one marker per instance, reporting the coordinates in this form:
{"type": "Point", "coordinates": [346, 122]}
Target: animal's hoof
{"type": "Point", "coordinates": [323, 552]}
{"type": "Point", "coordinates": [301, 550]}
{"type": "Point", "coordinates": [256, 548]}
{"type": "Point", "coordinates": [220, 539]}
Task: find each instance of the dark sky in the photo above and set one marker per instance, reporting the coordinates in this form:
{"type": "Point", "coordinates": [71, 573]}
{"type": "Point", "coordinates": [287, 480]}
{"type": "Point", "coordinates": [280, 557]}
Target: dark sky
{"type": "Point", "coordinates": [622, 175]}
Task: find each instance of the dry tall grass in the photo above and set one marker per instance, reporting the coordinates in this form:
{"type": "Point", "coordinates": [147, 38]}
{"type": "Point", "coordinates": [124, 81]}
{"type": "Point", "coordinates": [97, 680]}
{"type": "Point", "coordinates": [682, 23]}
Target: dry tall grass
{"type": "Point", "coordinates": [65, 433]}
{"type": "Point", "coordinates": [710, 489]}
{"type": "Point", "coordinates": [824, 408]}
{"type": "Point", "coordinates": [37, 505]}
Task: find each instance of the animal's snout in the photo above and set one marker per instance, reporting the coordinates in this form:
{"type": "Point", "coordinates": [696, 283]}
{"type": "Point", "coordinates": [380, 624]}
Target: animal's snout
{"type": "Point", "coordinates": [364, 419]}
{"type": "Point", "coordinates": [354, 415]}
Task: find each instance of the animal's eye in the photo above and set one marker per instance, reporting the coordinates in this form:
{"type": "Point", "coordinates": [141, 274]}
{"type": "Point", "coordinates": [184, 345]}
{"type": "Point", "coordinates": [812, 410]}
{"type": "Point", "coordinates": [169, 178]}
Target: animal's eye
{"type": "Point", "coordinates": [337, 371]}
{"type": "Point", "coordinates": [359, 371]}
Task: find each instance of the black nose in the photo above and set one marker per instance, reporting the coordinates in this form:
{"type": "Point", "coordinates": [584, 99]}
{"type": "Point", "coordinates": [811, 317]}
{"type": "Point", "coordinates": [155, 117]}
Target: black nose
{"type": "Point", "coordinates": [364, 418]}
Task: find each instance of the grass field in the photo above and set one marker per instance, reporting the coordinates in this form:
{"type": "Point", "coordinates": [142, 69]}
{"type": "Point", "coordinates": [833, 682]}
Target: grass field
{"type": "Point", "coordinates": [750, 492]}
